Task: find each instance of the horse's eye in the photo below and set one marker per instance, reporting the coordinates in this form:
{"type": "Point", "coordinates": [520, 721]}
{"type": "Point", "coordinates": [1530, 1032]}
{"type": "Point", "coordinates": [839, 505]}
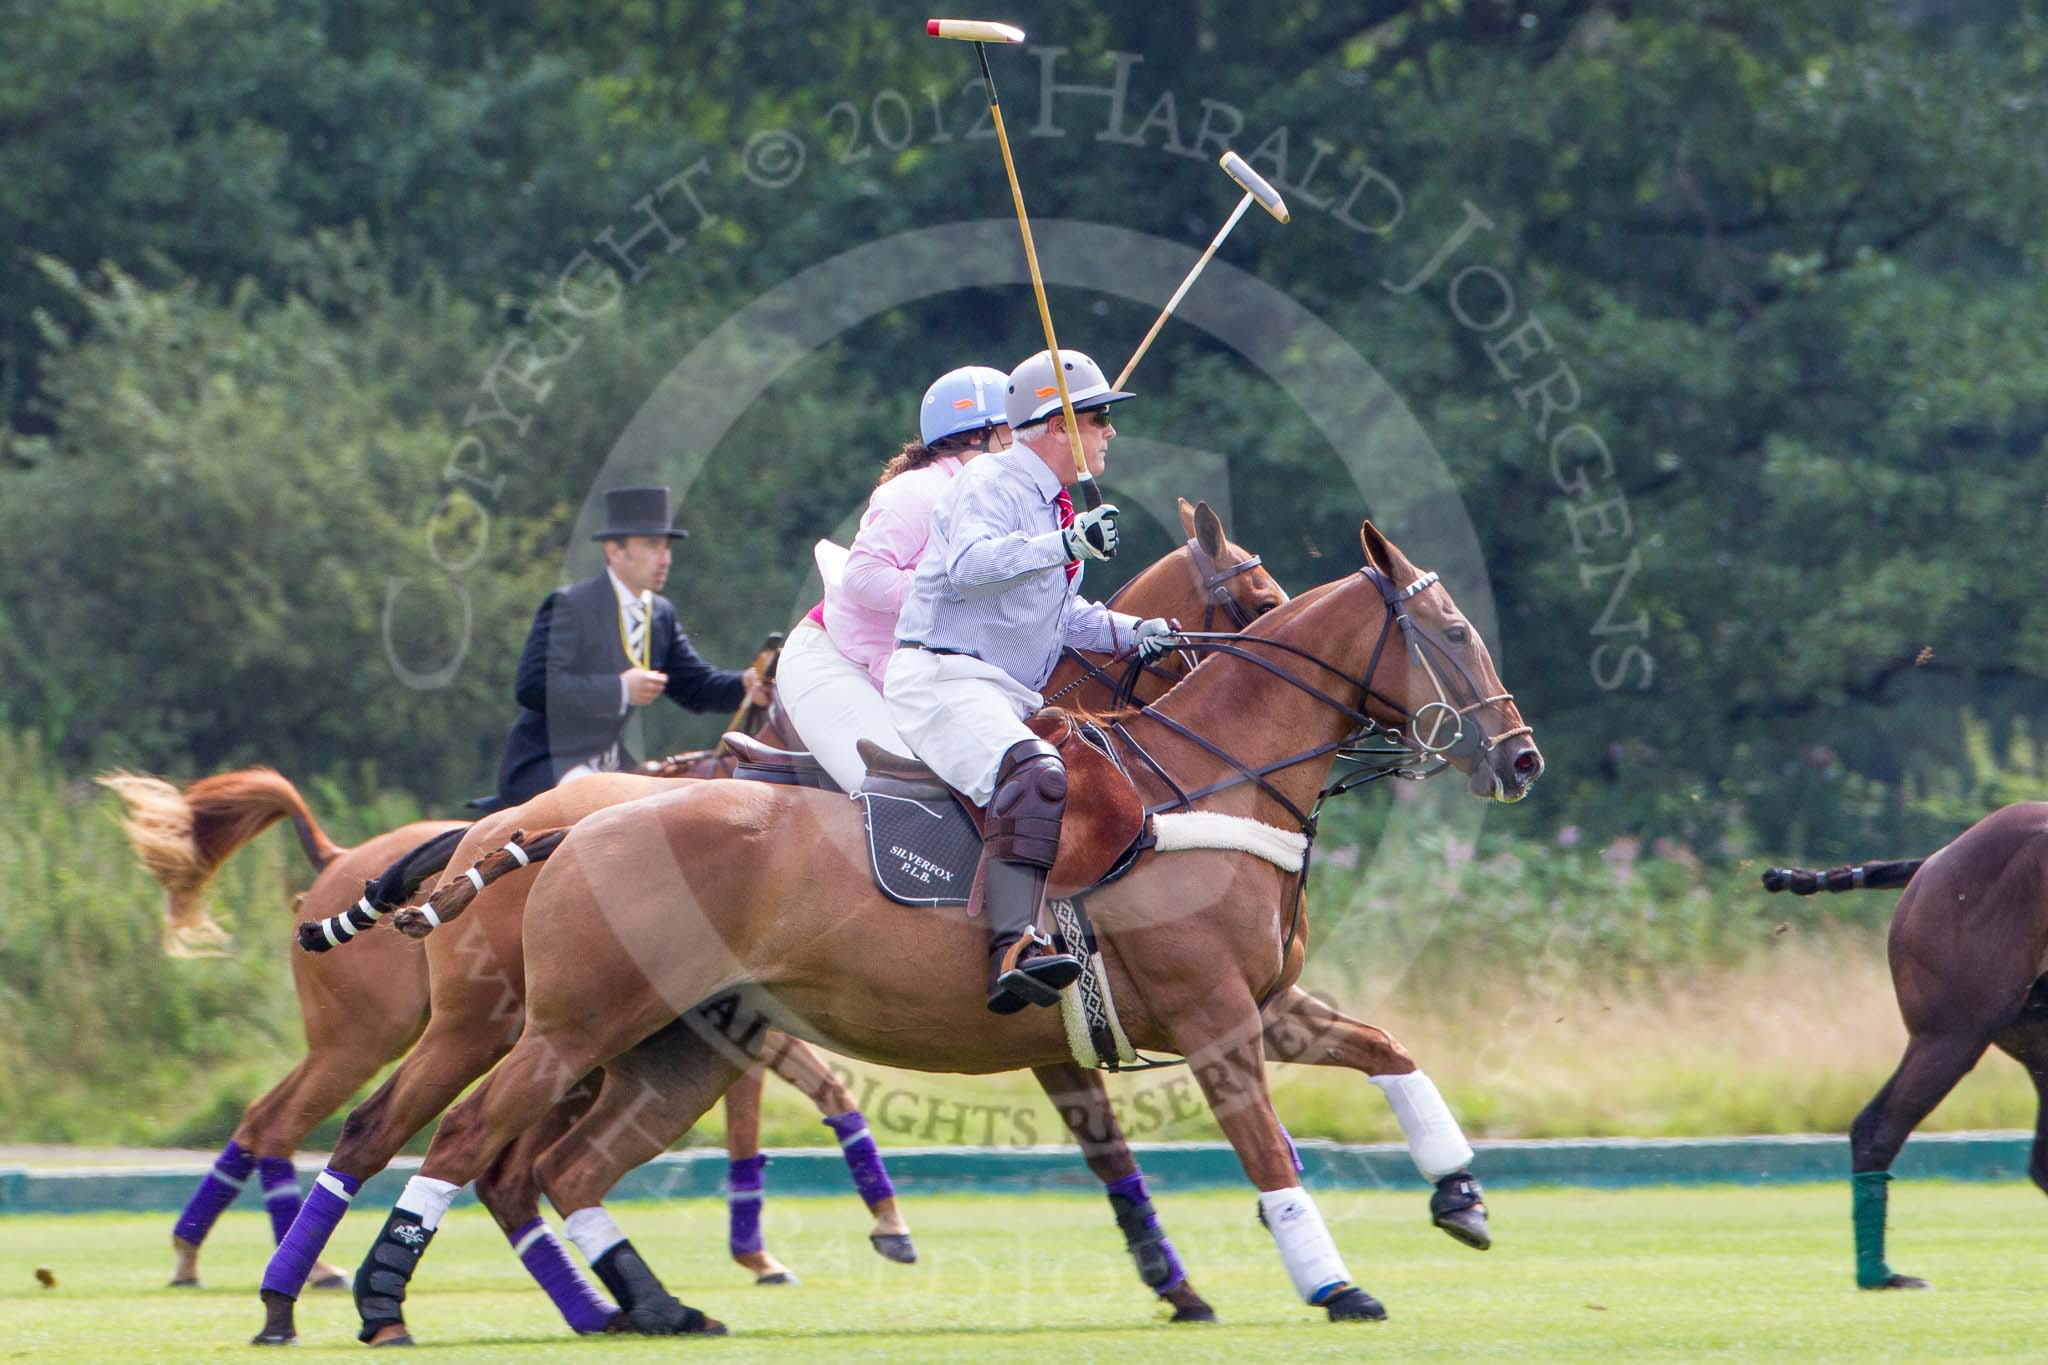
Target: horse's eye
{"type": "Point", "coordinates": [1457, 635]}
{"type": "Point", "coordinates": [1265, 607]}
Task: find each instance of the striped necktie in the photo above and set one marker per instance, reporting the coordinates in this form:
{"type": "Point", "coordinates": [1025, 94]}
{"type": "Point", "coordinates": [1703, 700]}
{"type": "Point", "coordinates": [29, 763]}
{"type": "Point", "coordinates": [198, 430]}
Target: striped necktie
{"type": "Point", "coordinates": [636, 632]}
{"type": "Point", "coordinates": [1065, 502]}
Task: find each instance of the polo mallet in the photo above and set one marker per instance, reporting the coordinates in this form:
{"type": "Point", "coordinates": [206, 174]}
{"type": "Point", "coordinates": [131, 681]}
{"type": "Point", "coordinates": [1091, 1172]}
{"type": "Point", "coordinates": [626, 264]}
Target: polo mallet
{"type": "Point", "coordinates": [1255, 187]}
{"type": "Point", "coordinates": [981, 32]}
{"type": "Point", "coordinates": [765, 661]}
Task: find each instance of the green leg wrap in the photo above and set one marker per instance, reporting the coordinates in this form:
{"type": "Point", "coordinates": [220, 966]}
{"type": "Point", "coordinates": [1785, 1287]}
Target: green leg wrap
{"type": "Point", "coordinates": [1868, 1214]}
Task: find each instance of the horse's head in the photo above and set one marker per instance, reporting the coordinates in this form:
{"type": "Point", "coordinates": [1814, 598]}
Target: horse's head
{"type": "Point", "coordinates": [1233, 582]}
{"type": "Point", "coordinates": [1445, 680]}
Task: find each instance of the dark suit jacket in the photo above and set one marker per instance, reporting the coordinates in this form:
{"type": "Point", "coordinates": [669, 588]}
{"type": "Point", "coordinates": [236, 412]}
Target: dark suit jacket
{"type": "Point", "coordinates": [568, 685]}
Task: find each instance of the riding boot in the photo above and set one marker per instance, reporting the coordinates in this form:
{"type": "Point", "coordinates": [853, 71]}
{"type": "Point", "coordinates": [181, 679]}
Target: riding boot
{"type": "Point", "coordinates": [1020, 841]}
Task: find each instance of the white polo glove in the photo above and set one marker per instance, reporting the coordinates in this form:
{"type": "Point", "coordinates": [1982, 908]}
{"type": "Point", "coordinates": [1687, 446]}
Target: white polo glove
{"type": "Point", "coordinates": [1093, 534]}
{"type": "Point", "coordinates": [1153, 637]}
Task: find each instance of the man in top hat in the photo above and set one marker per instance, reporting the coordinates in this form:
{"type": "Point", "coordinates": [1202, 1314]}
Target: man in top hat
{"type": "Point", "coordinates": [601, 647]}
{"type": "Point", "coordinates": [994, 600]}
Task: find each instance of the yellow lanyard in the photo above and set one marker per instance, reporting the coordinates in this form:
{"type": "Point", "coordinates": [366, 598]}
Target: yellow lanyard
{"type": "Point", "coordinates": [646, 639]}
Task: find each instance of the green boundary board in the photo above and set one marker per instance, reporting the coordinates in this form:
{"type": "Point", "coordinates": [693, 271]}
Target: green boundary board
{"type": "Point", "coordinates": [1611, 1163]}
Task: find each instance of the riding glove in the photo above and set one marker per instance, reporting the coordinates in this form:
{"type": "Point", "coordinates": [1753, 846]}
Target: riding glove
{"type": "Point", "coordinates": [1153, 637]}
{"type": "Point", "coordinates": [1093, 534]}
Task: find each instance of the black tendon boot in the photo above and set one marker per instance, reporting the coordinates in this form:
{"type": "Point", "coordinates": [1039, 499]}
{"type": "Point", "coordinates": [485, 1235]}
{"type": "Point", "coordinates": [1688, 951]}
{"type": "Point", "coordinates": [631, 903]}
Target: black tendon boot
{"type": "Point", "coordinates": [644, 1305]}
{"type": "Point", "coordinates": [1020, 841]}
{"type": "Point", "coordinates": [380, 1284]}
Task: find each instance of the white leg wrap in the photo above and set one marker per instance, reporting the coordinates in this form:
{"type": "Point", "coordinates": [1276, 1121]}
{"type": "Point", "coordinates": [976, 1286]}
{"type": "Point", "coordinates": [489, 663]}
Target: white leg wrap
{"type": "Point", "coordinates": [1305, 1247]}
{"type": "Point", "coordinates": [429, 1198]}
{"type": "Point", "coordinates": [1434, 1138]}
{"type": "Point", "coordinates": [593, 1232]}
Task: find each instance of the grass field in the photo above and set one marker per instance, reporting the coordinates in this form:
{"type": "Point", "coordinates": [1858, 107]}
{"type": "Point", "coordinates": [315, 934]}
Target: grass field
{"type": "Point", "coordinates": [1670, 1274]}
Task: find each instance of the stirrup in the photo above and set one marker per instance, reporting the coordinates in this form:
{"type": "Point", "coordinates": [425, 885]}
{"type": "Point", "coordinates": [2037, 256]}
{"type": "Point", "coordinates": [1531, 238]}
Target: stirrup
{"type": "Point", "coordinates": [1037, 981]}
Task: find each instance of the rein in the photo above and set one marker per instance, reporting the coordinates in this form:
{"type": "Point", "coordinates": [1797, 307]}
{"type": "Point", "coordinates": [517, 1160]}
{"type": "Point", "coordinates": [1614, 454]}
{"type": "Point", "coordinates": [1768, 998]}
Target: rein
{"type": "Point", "coordinates": [1395, 757]}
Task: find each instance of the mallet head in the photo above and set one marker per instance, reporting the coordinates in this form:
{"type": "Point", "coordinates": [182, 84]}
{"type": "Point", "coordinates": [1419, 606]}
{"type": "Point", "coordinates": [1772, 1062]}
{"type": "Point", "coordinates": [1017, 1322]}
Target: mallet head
{"type": "Point", "coordinates": [1254, 184]}
{"type": "Point", "coordinates": [973, 30]}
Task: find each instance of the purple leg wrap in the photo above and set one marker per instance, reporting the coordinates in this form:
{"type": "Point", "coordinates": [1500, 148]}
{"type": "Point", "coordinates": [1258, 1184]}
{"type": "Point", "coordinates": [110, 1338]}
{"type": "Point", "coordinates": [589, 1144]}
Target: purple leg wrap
{"type": "Point", "coordinates": [743, 1185]}
{"type": "Point", "coordinates": [307, 1237]}
{"type": "Point", "coordinates": [1293, 1153]}
{"type": "Point", "coordinates": [863, 1158]}
{"type": "Point", "coordinates": [581, 1306]}
{"type": "Point", "coordinates": [280, 1193]}
{"type": "Point", "coordinates": [218, 1190]}
{"type": "Point", "coordinates": [1158, 1263]}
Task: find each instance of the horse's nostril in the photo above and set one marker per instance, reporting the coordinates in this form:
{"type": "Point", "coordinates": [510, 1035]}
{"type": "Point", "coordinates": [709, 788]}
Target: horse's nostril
{"type": "Point", "coordinates": [1526, 762]}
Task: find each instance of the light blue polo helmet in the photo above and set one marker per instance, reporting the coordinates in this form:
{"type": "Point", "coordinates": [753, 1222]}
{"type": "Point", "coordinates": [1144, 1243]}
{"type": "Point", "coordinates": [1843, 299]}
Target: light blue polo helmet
{"type": "Point", "coordinates": [970, 398]}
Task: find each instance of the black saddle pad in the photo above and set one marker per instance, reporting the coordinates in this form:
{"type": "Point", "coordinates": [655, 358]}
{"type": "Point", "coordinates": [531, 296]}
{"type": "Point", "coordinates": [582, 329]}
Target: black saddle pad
{"type": "Point", "coordinates": [923, 851]}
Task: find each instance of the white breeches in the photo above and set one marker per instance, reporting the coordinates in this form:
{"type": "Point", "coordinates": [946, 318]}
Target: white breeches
{"type": "Point", "coordinates": [834, 704]}
{"type": "Point", "coordinates": [960, 715]}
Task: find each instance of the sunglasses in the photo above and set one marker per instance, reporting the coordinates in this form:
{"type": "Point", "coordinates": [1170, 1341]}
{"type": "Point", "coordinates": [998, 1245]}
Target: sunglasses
{"type": "Point", "coordinates": [1099, 416]}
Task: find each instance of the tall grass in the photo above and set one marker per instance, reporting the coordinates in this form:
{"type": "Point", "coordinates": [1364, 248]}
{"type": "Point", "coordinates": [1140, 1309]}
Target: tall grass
{"type": "Point", "coordinates": [1553, 989]}
{"type": "Point", "coordinates": [102, 1038]}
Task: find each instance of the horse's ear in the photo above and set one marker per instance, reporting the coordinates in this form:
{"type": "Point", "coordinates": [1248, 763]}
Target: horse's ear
{"type": "Point", "coordinates": [1208, 529]}
{"type": "Point", "coordinates": [1384, 554]}
{"type": "Point", "coordinates": [1187, 519]}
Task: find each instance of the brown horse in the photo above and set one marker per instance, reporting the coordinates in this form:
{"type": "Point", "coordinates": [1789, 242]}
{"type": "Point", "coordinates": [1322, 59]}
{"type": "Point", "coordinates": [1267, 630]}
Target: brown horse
{"type": "Point", "coordinates": [476, 968]}
{"type": "Point", "coordinates": [363, 1009]}
{"type": "Point", "coordinates": [1968, 950]}
{"type": "Point", "coordinates": [664, 965]}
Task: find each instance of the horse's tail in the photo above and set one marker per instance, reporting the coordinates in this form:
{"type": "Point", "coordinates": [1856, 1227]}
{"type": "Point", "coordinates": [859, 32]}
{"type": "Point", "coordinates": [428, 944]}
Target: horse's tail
{"type": "Point", "coordinates": [1804, 881]}
{"type": "Point", "coordinates": [383, 891]}
{"type": "Point", "coordinates": [183, 837]}
{"type": "Point", "coordinates": [453, 896]}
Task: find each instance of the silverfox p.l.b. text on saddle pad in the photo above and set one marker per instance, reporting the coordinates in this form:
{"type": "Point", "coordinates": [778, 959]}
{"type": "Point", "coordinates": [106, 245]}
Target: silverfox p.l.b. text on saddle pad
{"type": "Point", "coordinates": [924, 851]}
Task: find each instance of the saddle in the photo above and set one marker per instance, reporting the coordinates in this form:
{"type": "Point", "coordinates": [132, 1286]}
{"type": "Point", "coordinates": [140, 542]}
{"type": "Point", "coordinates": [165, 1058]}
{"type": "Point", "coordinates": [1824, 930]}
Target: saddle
{"type": "Point", "coordinates": [924, 838]}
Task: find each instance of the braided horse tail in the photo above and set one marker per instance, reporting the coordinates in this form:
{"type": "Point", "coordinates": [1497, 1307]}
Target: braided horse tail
{"type": "Point", "coordinates": [453, 896]}
{"type": "Point", "coordinates": [382, 892]}
{"type": "Point", "coordinates": [183, 838]}
{"type": "Point", "coordinates": [1804, 881]}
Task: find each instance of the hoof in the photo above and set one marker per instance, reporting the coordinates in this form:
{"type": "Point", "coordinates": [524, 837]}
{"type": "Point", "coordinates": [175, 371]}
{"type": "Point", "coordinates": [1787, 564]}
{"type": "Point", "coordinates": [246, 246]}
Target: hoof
{"type": "Point", "coordinates": [1198, 1313]}
{"type": "Point", "coordinates": [1352, 1304]}
{"type": "Point", "coordinates": [894, 1246]}
{"type": "Point", "coordinates": [184, 1284]}
{"type": "Point", "coordinates": [1898, 1282]}
{"type": "Point", "coordinates": [278, 1327]}
{"type": "Point", "coordinates": [1459, 1207]}
{"type": "Point", "coordinates": [665, 1315]}
{"type": "Point", "coordinates": [777, 1277]}
{"type": "Point", "coordinates": [402, 1339]}
{"type": "Point", "coordinates": [1188, 1306]}
{"type": "Point", "coordinates": [1467, 1226]}
{"type": "Point", "coordinates": [333, 1279]}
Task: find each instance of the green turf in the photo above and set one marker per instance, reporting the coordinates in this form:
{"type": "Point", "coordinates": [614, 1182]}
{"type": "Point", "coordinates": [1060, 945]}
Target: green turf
{"type": "Point", "coordinates": [1715, 1273]}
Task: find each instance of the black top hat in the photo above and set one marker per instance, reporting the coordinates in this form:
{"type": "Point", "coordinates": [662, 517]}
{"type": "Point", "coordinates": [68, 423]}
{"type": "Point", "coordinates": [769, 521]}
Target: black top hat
{"type": "Point", "coordinates": [637, 512]}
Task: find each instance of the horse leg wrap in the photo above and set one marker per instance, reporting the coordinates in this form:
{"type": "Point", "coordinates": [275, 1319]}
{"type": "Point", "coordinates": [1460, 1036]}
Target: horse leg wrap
{"type": "Point", "coordinates": [1867, 1212]}
{"type": "Point", "coordinates": [307, 1237]}
{"type": "Point", "coordinates": [1306, 1248]}
{"type": "Point", "coordinates": [1434, 1138]}
{"type": "Point", "coordinates": [743, 1189]}
{"type": "Point", "coordinates": [863, 1157]}
{"type": "Point", "coordinates": [582, 1307]}
{"type": "Point", "coordinates": [216, 1191]}
{"type": "Point", "coordinates": [645, 1305]}
{"type": "Point", "coordinates": [1159, 1265]}
{"type": "Point", "coordinates": [281, 1193]}
{"type": "Point", "coordinates": [380, 1284]}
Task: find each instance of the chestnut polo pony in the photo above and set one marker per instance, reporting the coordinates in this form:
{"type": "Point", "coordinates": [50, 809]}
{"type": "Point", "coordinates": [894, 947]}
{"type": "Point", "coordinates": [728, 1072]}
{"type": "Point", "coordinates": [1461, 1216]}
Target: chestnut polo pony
{"type": "Point", "coordinates": [1969, 958]}
{"type": "Point", "coordinates": [667, 934]}
{"type": "Point", "coordinates": [477, 970]}
{"type": "Point", "coordinates": [363, 1009]}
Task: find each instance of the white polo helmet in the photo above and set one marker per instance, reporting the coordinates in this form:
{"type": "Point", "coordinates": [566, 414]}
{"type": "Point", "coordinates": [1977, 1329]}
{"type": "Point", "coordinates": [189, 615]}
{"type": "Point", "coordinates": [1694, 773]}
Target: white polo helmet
{"type": "Point", "coordinates": [967, 399]}
{"type": "Point", "coordinates": [1034, 396]}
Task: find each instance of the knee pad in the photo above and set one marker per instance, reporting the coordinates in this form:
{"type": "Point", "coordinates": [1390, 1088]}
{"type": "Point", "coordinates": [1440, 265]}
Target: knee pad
{"type": "Point", "coordinates": [1030, 799]}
